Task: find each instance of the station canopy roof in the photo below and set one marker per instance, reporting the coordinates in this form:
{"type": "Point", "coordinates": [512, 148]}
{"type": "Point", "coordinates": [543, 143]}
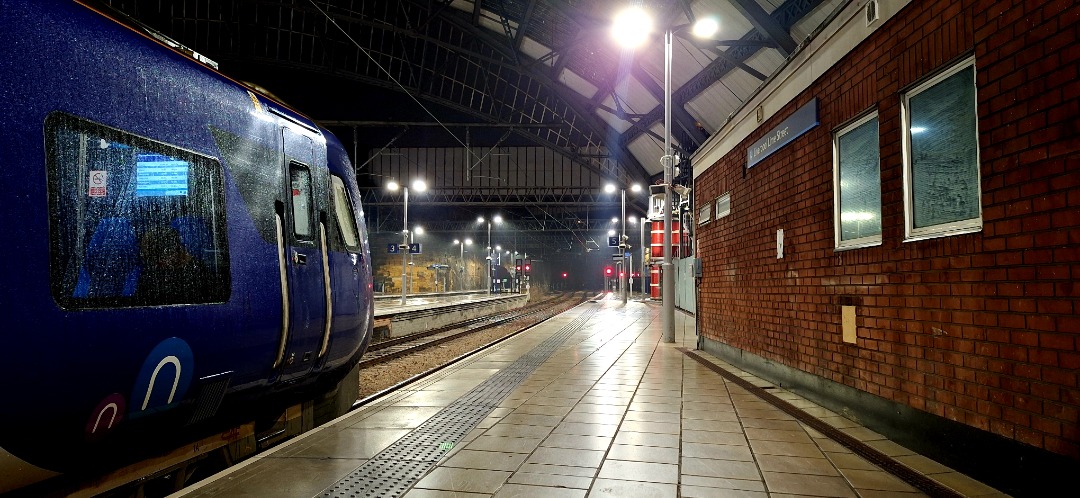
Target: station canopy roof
{"type": "Point", "coordinates": [485, 73]}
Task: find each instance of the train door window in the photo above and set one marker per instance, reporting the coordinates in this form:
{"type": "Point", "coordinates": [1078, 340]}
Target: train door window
{"type": "Point", "coordinates": [136, 222]}
{"type": "Point", "coordinates": [300, 186]}
{"type": "Point", "coordinates": [343, 212]}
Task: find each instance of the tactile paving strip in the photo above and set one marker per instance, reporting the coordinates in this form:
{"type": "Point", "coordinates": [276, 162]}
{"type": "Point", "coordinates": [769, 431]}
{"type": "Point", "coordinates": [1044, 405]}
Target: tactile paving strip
{"type": "Point", "coordinates": [397, 468]}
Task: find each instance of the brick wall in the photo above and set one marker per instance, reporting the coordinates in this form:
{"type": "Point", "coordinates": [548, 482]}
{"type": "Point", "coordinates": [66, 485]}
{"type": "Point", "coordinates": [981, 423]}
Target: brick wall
{"type": "Point", "coordinates": [980, 328]}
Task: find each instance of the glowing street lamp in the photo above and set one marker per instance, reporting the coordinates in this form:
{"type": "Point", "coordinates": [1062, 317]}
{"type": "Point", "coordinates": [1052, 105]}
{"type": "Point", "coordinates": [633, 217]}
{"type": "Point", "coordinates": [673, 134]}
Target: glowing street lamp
{"type": "Point", "coordinates": [623, 278]}
{"type": "Point", "coordinates": [490, 256]}
{"type": "Point", "coordinates": [419, 186]}
{"type": "Point", "coordinates": [461, 258]}
{"type": "Point", "coordinates": [419, 230]}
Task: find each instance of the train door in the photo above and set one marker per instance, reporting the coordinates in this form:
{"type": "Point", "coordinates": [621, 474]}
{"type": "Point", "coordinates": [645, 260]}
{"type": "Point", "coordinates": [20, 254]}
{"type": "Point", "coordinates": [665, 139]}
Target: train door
{"type": "Point", "coordinates": [348, 263]}
{"type": "Point", "coordinates": [301, 257]}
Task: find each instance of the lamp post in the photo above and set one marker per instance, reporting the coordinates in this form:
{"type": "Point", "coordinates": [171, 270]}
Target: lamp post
{"type": "Point", "coordinates": [631, 28]}
{"type": "Point", "coordinates": [419, 186]}
{"type": "Point", "coordinates": [624, 283]}
{"type": "Point", "coordinates": [496, 261]}
{"type": "Point", "coordinates": [461, 258]}
{"type": "Point", "coordinates": [667, 277]}
{"type": "Point", "coordinates": [419, 230]}
{"type": "Point", "coordinates": [490, 256]}
{"type": "Point", "coordinates": [641, 237]}
{"type": "Point", "coordinates": [641, 241]}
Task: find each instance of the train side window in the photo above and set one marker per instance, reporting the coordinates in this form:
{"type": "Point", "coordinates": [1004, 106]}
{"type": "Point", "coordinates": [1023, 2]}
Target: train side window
{"type": "Point", "coordinates": [137, 222]}
{"type": "Point", "coordinates": [343, 212]}
{"type": "Point", "coordinates": [300, 187]}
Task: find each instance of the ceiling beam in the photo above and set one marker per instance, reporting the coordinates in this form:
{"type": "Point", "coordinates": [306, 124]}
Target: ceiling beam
{"type": "Point", "coordinates": [766, 25]}
{"type": "Point", "coordinates": [682, 118]}
{"type": "Point", "coordinates": [523, 26]}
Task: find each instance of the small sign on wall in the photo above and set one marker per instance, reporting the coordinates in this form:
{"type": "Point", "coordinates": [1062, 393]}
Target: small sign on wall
{"type": "Point", "coordinates": [780, 244]}
{"type": "Point", "coordinates": [848, 320]}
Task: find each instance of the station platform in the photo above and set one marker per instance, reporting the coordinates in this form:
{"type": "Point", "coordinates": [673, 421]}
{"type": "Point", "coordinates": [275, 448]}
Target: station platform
{"type": "Point", "coordinates": [385, 303]}
{"type": "Point", "coordinates": [590, 403]}
{"type": "Point", "coordinates": [423, 312]}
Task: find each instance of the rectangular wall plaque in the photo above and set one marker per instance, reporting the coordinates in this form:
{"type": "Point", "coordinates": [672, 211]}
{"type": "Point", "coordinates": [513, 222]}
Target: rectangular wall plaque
{"type": "Point", "coordinates": [799, 122]}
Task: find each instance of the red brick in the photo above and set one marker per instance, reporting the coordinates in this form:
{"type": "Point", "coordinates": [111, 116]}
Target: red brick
{"type": "Point", "coordinates": [1052, 272]}
{"type": "Point", "coordinates": [1041, 322]}
{"type": "Point", "coordinates": [1046, 392]}
{"type": "Point", "coordinates": [1057, 341]}
{"type": "Point", "coordinates": [1060, 446]}
{"type": "Point", "coordinates": [1069, 360]}
{"type": "Point", "coordinates": [1068, 324]}
{"type": "Point", "coordinates": [1028, 436]}
{"type": "Point", "coordinates": [1055, 307]}
{"type": "Point", "coordinates": [1024, 338]}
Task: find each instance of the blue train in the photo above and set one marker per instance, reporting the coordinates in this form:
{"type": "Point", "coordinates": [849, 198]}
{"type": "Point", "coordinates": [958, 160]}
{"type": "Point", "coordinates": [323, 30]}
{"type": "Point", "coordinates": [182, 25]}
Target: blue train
{"type": "Point", "coordinates": [180, 249]}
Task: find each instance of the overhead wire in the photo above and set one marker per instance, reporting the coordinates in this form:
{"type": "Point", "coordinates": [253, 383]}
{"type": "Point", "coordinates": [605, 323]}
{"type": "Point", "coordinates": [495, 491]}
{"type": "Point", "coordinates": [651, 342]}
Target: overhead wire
{"type": "Point", "coordinates": [388, 75]}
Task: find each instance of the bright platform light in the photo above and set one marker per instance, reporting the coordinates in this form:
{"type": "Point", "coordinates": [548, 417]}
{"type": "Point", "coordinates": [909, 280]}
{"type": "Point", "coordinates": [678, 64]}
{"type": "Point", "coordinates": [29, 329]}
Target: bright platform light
{"type": "Point", "coordinates": [631, 27]}
{"type": "Point", "coordinates": [706, 28]}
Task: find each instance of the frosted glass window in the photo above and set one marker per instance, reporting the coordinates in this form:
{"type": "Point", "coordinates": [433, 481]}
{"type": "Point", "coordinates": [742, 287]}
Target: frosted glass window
{"type": "Point", "coordinates": [941, 155]}
{"type": "Point", "coordinates": [857, 179]}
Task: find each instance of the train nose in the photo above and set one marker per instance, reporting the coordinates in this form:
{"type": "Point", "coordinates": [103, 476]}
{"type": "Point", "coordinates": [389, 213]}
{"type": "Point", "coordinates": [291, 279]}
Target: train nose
{"type": "Point", "coordinates": [16, 473]}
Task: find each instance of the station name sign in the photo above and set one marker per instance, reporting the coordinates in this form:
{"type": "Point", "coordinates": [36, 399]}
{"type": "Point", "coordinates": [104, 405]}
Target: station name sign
{"type": "Point", "coordinates": [801, 121]}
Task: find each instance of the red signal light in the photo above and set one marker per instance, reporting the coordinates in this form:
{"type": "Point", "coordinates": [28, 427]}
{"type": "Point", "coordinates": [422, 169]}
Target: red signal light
{"type": "Point", "coordinates": [608, 271]}
{"type": "Point", "coordinates": [563, 274]}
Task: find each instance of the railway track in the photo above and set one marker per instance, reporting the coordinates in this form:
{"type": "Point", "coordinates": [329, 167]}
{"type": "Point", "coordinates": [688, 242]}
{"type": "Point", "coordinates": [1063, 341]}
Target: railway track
{"type": "Point", "coordinates": [380, 374]}
{"type": "Point", "coordinates": [390, 349]}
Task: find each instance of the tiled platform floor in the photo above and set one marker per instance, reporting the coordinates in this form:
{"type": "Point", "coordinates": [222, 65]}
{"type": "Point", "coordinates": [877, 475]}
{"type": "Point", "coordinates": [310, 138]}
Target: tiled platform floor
{"type": "Point", "coordinates": [615, 412]}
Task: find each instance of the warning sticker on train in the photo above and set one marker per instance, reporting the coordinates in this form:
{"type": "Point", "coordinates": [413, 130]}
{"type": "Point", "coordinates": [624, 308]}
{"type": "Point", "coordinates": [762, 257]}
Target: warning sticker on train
{"type": "Point", "coordinates": [98, 182]}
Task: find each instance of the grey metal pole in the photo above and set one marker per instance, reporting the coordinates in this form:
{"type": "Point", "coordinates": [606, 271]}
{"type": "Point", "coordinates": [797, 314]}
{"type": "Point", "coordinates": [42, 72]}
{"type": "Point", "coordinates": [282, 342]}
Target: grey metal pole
{"type": "Point", "coordinates": [490, 258]}
{"type": "Point", "coordinates": [412, 267]}
{"type": "Point", "coordinates": [641, 238]}
{"type": "Point", "coordinates": [405, 253]}
{"type": "Point", "coordinates": [667, 277]}
{"type": "Point", "coordinates": [623, 282]}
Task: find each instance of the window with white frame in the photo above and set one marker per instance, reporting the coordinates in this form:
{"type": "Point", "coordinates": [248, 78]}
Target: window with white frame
{"type": "Point", "coordinates": [704, 214]}
{"type": "Point", "coordinates": [942, 194]}
{"type": "Point", "coordinates": [723, 205]}
{"type": "Point", "coordinates": [857, 184]}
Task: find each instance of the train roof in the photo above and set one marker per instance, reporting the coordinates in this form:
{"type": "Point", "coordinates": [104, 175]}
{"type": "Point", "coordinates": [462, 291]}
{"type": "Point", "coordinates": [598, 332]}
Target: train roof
{"type": "Point", "coordinates": [271, 102]}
